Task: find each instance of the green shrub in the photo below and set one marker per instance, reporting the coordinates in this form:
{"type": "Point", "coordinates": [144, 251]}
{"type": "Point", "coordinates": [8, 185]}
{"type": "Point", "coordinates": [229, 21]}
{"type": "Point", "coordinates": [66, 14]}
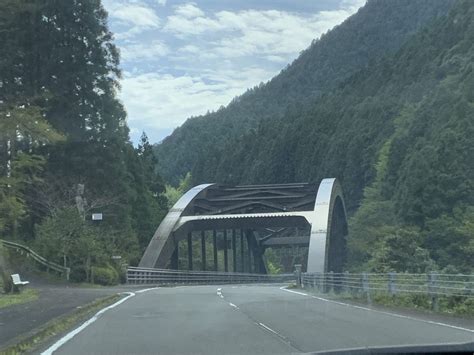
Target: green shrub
{"type": "Point", "coordinates": [105, 276]}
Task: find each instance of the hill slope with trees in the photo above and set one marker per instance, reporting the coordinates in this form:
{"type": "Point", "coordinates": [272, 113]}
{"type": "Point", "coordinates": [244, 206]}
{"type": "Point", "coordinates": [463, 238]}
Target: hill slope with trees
{"type": "Point", "coordinates": [376, 30]}
{"type": "Point", "coordinates": [398, 133]}
{"type": "Point", "coordinates": [65, 147]}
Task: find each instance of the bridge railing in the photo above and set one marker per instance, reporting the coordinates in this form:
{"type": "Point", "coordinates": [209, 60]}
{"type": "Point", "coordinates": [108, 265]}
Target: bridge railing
{"type": "Point", "coordinates": [434, 285]}
{"type": "Point", "coordinates": [49, 265]}
{"type": "Point", "coordinates": [137, 275]}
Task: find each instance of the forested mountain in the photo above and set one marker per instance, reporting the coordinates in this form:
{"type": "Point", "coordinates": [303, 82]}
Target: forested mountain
{"type": "Point", "coordinates": [398, 132]}
{"type": "Point", "coordinates": [378, 29]}
{"type": "Point", "coordinates": [65, 148]}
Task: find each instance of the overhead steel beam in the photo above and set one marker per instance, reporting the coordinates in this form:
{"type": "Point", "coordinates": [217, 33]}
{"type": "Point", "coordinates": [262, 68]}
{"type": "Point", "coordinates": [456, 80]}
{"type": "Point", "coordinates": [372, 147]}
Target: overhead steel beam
{"type": "Point", "coordinates": [286, 241]}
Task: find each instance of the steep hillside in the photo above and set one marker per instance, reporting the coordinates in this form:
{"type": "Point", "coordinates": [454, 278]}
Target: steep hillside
{"type": "Point", "coordinates": [378, 29]}
{"type": "Point", "coordinates": [402, 130]}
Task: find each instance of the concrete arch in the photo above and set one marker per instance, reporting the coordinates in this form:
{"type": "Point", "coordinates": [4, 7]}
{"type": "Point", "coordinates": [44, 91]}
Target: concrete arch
{"type": "Point", "coordinates": [327, 244]}
{"type": "Point", "coordinates": [162, 245]}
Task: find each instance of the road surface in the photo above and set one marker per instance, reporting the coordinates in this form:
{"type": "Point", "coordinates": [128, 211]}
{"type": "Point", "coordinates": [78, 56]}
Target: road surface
{"type": "Point", "coordinates": [259, 319]}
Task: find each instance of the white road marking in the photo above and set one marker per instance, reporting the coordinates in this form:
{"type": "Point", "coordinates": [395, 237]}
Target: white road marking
{"type": "Point", "coordinates": [381, 312]}
{"type": "Point", "coordinates": [219, 293]}
{"type": "Point", "coordinates": [233, 305]}
{"type": "Point", "coordinates": [269, 329]}
{"type": "Point", "coordinates": [70, 335]}
{"type": "Point", "coordinates": [147, 289]}
{"type": "Point", "coordinates": [298, 293]}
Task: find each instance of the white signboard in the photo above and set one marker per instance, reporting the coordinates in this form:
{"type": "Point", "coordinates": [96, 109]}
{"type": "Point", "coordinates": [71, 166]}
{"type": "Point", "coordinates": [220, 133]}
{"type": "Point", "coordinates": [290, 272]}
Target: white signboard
{"type": "Point", "coordinates": [97, 216]}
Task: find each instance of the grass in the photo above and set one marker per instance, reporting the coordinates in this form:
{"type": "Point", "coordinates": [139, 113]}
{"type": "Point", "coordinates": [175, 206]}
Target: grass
{"type": "Point", "coordinates": [26, 295]}
{"type": "Point", "coordinates": [28, 344]}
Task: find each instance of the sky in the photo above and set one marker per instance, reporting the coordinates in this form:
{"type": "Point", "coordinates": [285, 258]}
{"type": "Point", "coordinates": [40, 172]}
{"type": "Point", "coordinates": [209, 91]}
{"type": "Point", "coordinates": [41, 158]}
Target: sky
{"type": "Point", "coordinates": [181, 59]}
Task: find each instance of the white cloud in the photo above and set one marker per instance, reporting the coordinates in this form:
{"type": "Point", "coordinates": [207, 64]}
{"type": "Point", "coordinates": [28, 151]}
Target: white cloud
{"type": "Point", "coordinates": [143, 51]}
{"type": "Point", "coordinates": [189, 10]}
{"type": "Point", "coordinates": [161, 101]}
{"type": "Point", "coordinates": [268, 33]}
{"type": "Point", "coordinates": [137, 15]}
{"type": "Point", "coordinates": [134, 16]}
{"type": "Point", "coordinates": [192, 60]}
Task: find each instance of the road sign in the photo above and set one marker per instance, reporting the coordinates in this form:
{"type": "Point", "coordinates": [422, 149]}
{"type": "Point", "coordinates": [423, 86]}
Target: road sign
{"type": "Point", "coordinates": [97, 216]}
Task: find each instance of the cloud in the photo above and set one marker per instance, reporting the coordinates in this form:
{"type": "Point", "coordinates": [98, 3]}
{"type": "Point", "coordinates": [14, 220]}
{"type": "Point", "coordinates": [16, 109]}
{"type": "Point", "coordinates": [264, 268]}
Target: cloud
{"type": "Point", "coordinates": [159, 101]}
{"type": "Point", "coordinates": [143, 50]}
{"type": "Point", "coordinates": [193, 59]}
{"type": "Point", "coordinates": [189, 10]}
{"type": "Point", "coordinates": [268, 33]}
{"type": "Point", "coordinates": [133, 18]}
{"type": "Point", "coordinates": [137, 15]}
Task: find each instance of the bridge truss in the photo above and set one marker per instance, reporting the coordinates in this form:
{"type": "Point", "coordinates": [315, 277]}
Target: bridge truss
{"type": "Point", "coordinates": [245, 220]}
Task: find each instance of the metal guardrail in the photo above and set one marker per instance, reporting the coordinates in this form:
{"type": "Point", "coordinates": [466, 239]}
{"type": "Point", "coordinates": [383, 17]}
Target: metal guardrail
{"type": "Point", "coordinates": [433, 285]}
{"type": "Point", "coordinates": [38, 258]}
{"type": "Point", "coordinates": [137, 275]}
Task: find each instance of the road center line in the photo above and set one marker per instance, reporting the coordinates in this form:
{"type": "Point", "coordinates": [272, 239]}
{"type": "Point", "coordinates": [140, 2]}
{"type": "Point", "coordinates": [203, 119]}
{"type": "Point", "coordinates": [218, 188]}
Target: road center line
{"type": "Point", "coordinates": [70, 335]}
{"type": "Point", "coordinates": [233, 305]}
{"type": "Point", "coordinates": [269, 329]}
{"type": "Point", "coordinates": [381, 312]}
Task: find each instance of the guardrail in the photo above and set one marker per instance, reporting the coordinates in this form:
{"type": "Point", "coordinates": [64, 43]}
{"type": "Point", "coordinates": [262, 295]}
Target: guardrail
{"type": "Point", "coordinates": [136, 275]}
{"type": "Point", "coordinates": [433, 284]}
{"type": "Point", "coordinates": [22, 249]}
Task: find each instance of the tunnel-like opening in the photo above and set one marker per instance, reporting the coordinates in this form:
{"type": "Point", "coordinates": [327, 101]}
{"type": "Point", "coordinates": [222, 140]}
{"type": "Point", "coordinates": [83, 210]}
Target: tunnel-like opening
{"type": "Point", "coordinates": [337, 238]}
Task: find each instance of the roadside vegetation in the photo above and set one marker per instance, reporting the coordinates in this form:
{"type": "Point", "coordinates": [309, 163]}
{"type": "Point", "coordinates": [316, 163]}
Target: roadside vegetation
{"type": "Point", "coordinates": [449, 305]}
{"type": "Point", "coordinates": [392, 120]}
{"type": "Point", "coordinates": [65, 149]}
{"type": "Point", "coordinates": [25, 296]}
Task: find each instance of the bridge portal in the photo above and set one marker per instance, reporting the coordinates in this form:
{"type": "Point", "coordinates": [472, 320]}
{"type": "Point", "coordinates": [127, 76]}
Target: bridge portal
{"type": "Point", "coordinates": [244, 220]}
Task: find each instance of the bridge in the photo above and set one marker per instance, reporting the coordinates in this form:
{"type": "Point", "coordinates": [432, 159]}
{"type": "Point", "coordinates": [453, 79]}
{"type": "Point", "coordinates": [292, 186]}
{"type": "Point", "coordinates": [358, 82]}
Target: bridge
{"type": "Point", "coordinates": [245, 220]}
{"type": "Point", "coordinates": [228, 305]}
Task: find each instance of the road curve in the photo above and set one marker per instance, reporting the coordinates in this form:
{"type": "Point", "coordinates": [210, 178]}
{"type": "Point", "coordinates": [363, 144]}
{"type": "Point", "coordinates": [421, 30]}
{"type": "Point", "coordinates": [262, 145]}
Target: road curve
{"type": "Point", "coordinates": [257, 319]}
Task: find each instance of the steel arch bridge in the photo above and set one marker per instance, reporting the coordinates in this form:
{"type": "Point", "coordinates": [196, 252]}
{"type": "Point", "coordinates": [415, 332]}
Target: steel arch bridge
{"type": "Point", "coordinates": [255, 217]}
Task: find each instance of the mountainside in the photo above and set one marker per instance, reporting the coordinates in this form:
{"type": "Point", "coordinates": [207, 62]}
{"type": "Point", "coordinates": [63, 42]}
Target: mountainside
{"type": "Point", "coordinates": [399, 134]}
{"type": "Point", "coordinates": [378, 29]}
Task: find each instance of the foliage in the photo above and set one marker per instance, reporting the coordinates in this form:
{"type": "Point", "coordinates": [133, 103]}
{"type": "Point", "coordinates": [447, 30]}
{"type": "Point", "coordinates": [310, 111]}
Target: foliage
{"type": "Point", "coordinates": [25, 296]}
{"type": "Point", "coordinates": [173, 194]}
{"type": "Point", "coordinates": [61, 127]}
{"type": "Point", "coordinates": [393, 123]}
{"type": "Point", "coordinates": [234, 143]}
{"type": "Point", "coordinates": [105, 276]}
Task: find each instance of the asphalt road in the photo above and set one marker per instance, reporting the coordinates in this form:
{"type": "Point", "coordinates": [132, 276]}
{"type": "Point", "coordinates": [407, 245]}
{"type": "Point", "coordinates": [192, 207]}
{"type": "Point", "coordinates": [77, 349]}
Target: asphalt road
{"type": "Point", "coordinates": [247, 320]}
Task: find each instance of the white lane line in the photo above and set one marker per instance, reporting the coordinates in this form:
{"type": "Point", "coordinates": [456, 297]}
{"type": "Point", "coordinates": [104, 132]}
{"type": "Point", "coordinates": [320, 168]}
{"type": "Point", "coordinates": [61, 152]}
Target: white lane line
{"type": "Point", "coordinates": [381, 312]}
{"type": "Point", "coordinates": [298, 293]}
{"type": "Point", "coordinates": [233, 305]}
{"type": "Point", "coordinates": [269, 329]}
{"type": "Point", "coordinates": [70, 335]}
{"type": "Point", "coordinates": [147, 289]}
{"type": "Point", "coordinates": [219, 293]}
